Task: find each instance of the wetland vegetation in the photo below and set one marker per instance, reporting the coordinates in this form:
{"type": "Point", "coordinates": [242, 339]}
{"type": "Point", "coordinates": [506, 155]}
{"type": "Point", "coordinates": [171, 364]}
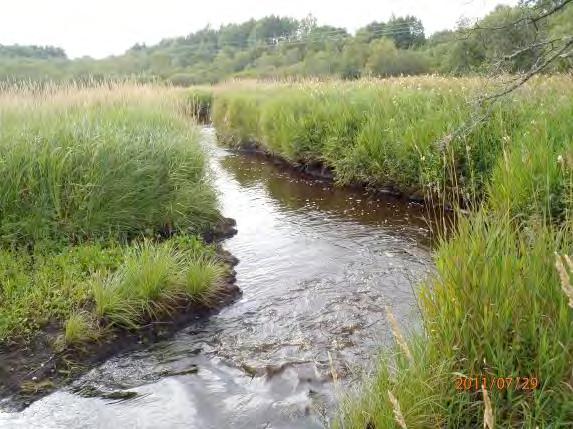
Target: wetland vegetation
{"type": "Point", "coordinates": [107, 211]}
{"type": "Point", "coordinates": [105, 201]}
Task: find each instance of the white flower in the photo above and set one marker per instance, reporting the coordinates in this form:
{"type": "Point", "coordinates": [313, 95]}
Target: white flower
{"type": "Point", "coordinates": [560, 159]}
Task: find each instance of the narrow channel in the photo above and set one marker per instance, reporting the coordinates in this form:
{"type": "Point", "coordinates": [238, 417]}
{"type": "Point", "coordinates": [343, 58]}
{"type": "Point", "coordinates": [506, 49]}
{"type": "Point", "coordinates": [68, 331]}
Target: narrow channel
{"type": "Point", "coordinates": [317, 266]}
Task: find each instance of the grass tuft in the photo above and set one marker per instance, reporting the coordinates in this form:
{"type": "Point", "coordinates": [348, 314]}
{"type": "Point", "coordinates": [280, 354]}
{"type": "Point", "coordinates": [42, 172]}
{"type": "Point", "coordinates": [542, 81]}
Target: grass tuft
{"type": "Point", "coordinates": [152, 281]}
{"type": "Point", "coordinates": [79, 328]}
{"type": "Point", "coordinates": [200, 277]}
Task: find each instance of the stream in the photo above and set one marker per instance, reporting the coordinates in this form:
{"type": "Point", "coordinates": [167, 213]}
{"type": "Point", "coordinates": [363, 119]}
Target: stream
{"type": "Point", "coordinates": [318, 265]}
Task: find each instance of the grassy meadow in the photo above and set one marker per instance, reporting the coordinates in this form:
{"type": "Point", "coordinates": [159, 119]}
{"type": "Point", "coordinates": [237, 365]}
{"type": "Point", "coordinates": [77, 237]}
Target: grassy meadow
{"type": "Point", "coordinates": [104, 196]}
{"type": "Point", "coordinates": [500, 303]}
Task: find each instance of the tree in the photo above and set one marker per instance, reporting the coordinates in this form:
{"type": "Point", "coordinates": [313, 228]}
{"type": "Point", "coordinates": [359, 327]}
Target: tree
{"type": "Point", "coordinates": [464, 56]}
{"type": "Point", "coordinates": [407, 32]}
{"type": "Point", "coordinates": [516, 34]}
{"type": "Point", "coordinates": [382, 56]}
{"type": "Point", "coordinates": [535, 35]}
{"type": "Point", "coordinates": [273, 29]}
{"type": "Point", "coordinates": [386, 60]}
{"type": "Point", "coordinates": [33, 52]}
{"type": "Point", "coordinates": [354, 57]}
{"type": "Point", "coordinates": [374, 30]}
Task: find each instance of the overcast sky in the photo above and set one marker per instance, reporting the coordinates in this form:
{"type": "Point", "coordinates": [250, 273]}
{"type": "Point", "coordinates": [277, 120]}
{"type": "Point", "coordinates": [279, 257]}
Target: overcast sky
{"type": "Point", "coordinates": [109, 27]}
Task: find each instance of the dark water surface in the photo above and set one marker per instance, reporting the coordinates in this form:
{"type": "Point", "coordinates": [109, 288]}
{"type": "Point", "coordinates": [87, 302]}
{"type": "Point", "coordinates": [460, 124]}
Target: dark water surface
{"type": "Point", "coordinates": [317, 266]}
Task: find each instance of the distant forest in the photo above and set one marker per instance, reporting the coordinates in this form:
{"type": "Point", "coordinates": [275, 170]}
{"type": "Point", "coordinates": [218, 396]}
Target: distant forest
{"type": "Point", "coordinates": [279, 47]}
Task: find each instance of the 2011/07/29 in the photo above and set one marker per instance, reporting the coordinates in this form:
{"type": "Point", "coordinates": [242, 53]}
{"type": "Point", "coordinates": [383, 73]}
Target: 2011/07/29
{"type": "Point", "coordinates": [499, 383]}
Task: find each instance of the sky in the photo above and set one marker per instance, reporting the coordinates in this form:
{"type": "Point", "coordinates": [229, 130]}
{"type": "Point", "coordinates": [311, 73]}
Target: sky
{"type": "Point", "coordinates": [110, 27]}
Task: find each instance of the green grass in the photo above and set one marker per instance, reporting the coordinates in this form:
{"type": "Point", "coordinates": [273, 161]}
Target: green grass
{"type": "Point", "coordinates": [48, 284]}
{"type": "Point", "coordinates": [199, 101]}
{"type": "Point", "coordinates": [103, 196]}
{"type": "Point", "coordinates": [395, 133]}
{"type": "Point", "coordinates": [79, 328]}
{"type": "Point", "coordinates": [495, 306]}
{"type": "Point", "coordinates": [106, 170]}
{"type": "Point", "coordinates": [114, 284]}
{"type": "Point", "coordinates": [154, 279]}
{"type": "Point", "coordinates": [199, 275]}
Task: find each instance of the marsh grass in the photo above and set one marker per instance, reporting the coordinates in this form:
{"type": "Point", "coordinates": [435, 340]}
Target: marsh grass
{"type": "Point", "coordinates": [397, 133]}
{"type": "Point", "coordinates": [496, 305]}
{"type": "Point", "coordinates": [153, 280]}
{"type": "Point", "coordinates": [199, 102]}
{"type": "Point", "coordinates": [48, 284]}
{"type": "Point", "coordinates": [494, 308]}
{"type": "Point", "coordinates": [199, 278]}
{"type": "Point", "coordinates": [103, 193]}
{"type": "Point", "coordinates": [98, 169]}
{"type": "Point", "coordinates": [80, 328]}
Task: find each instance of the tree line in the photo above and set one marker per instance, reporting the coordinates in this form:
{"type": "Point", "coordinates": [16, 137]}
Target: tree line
{"type": "Point", "coordinates": [279, 47]}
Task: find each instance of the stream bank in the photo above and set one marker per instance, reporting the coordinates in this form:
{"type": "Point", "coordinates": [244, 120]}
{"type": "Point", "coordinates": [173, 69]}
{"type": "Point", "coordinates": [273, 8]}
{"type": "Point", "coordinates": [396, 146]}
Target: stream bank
{"type": "Point", "coordinates": [32, 369]}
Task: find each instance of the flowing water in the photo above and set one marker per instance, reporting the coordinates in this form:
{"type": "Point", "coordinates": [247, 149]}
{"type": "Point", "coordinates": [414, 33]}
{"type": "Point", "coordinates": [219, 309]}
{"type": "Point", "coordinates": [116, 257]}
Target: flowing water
{"type": "Point", "coordinates": [317, 267]}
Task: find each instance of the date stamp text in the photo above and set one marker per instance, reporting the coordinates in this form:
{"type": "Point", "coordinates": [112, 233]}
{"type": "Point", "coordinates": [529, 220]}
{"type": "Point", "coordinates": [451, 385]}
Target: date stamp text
{"type": "Point", "coordinates": [493, 382]}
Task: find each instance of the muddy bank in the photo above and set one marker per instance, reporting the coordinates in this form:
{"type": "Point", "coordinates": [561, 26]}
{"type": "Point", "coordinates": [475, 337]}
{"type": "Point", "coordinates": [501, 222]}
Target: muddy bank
{"type": "Point", "coordinates": [320, 171]}
{"type": "Point", "coordinates": [29, 371]}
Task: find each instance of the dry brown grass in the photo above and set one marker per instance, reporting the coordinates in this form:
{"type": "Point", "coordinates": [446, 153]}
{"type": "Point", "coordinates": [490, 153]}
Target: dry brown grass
{"type": "Point", "coordinates": [54, 96]}
{"type": "Point", "coordinates": [398, 336]}
{"type": "Point", "coordinates": [488, 420]}
{"type": "Point", "coordinates": [398, 416]}
{"type": "Point", "coordinates": [564, 275]}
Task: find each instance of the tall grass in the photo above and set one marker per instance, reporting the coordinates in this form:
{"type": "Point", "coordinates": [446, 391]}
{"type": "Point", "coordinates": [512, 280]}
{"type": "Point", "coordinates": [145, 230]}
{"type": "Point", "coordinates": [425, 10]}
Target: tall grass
{"type": "Point", "coordinates": [96, 169]}
{"type": "Point", "coordinates": [199, 101]}
{"type": "Point", "coordinates": [496, 305]}
{"type": "Point", "coordinates": [395, 133]}
{"type": "Point", "coordinates": [496, 309]}
{"type": "Point", "coordinates": [91, 178]}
